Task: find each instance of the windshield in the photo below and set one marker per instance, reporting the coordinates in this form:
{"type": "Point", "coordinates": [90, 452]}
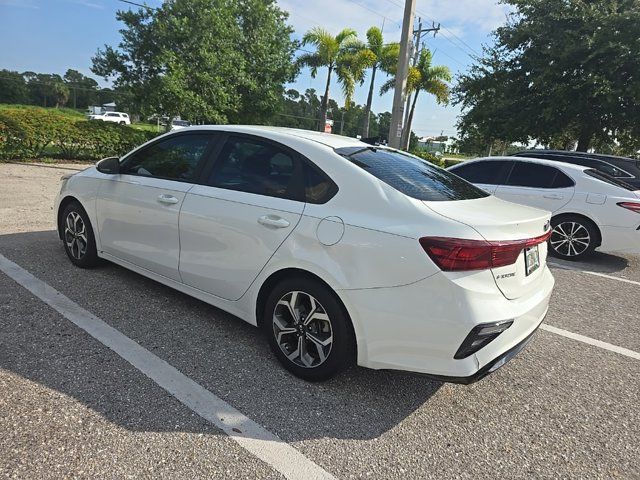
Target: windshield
{"type": "Point", "coordinates": [411, 175]}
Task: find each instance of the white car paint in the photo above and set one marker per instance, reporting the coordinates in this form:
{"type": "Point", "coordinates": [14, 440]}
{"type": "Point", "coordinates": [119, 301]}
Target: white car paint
{"type": "Point", "coordinates": [114, 117]}
{"type": "Point", "coordinates": [221, 246]}
{"type": "Point", "coordinates": [589, 197]}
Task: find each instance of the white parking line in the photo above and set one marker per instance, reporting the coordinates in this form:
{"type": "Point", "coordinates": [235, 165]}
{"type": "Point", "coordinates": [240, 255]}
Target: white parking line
{"type": "Point", "coordinates": [591, 341]}
{"type": "Point", "coordinates": [597, 274]}
{"type": "Point", "coordinates": [248, 434]}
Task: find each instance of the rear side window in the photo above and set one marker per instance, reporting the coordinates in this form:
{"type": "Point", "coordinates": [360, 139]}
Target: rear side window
{"type": "Point", "coordinates": [609, 179]}
{"type": "Point", "coordinates": [253, 166]}
{"type": "Point", "coordinates": [411, 175]}
{"type": "Point", "coordinates": [175, 158]}
{"type": "Point", "coordinates": [319, 188]}
{"type": "Point", "coordinates": [490, 172]}
{"type": "Point", "coordinates": [534, 175]}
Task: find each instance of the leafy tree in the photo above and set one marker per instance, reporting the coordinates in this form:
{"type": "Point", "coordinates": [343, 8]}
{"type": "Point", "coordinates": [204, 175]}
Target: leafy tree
{"type": "Point", "coordinates": [330, 53]}
{"type": "Point", "coordinates": [83, 89]}
{"type": "Point", "coordinates": [557, 69]}
{"type": "Point", "coordinates": [13, 88]}
{"type": "Point", "coordinates": [206, 60]}
{"type": "Point", "coordinates": [422, 77]}
{"type": "Point", "coordinates": [46, 90]}
{"type": "Point", "coordinates": [379, 56]}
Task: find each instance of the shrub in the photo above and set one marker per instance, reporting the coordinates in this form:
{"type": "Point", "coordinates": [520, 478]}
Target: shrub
{"type": "Point", "coordinates": [27, 132]}
{"type": "Point", "coordinates": [429, 157]}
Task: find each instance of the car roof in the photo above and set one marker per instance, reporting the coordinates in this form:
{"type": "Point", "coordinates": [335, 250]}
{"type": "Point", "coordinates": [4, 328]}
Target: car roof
{"type": "Point", "coordinates": [328, 139]}
{"type": "Point", "coordinates": [552, 163]}
{"type": "Point", "coordinates": [572, 153]}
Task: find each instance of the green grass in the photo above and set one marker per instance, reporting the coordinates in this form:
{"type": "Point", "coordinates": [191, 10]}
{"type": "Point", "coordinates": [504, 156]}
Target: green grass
{"type": "Point", "coordinates": [147, 127]}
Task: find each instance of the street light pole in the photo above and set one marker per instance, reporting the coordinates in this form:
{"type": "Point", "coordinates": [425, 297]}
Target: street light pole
{"type": "Point", "coordinates": [397, 112]}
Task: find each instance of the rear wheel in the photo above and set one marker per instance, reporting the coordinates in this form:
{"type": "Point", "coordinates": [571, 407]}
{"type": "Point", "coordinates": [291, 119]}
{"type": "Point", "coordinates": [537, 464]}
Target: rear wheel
{"type": "Point", "coordinates": [572, 237]}
{"type": "Point", "coordinates": [77, 235]}
{"type": "Point", "coordinates": [308, 330]}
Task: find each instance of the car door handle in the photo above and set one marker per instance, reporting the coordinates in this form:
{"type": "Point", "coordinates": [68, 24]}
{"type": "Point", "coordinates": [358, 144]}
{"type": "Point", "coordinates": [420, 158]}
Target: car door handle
{"type": "Point", "coordinates": [273, 221]}
{"type": "Point", "coordinates": [553, 196]}
{"type": "Point", "coordinates": [168, 199]}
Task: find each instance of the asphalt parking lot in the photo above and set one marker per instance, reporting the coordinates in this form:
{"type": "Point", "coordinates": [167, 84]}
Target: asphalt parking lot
{"type": "Point", "coordinates": [566, 407]}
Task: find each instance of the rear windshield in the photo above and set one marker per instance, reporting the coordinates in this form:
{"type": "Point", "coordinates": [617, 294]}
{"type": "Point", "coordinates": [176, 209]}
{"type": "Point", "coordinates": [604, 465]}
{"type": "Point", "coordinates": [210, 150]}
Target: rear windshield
{"type": "Point", "coordinates": [411, 175]}
{"type": "Point", "coordinates": [609, 179]}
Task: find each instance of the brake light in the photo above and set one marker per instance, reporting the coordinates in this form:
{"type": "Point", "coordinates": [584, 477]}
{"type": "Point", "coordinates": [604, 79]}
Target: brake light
{"type": "Point", "coordinates": [457, 254]}
{"type": "Point", "coordinates": [633, 206]}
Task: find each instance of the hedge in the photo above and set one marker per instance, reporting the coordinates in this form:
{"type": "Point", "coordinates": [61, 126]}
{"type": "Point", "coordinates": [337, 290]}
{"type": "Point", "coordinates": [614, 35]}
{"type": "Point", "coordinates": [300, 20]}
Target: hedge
{"type": "Point", "coordinates": [32, 132]}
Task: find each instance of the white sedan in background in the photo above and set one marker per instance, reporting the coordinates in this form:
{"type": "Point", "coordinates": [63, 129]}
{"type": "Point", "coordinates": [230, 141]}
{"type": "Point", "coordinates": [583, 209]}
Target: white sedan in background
{"type": "Point", "coordinates": [589, 208]}
{"type": "Point", "coordinates": [338, 250]}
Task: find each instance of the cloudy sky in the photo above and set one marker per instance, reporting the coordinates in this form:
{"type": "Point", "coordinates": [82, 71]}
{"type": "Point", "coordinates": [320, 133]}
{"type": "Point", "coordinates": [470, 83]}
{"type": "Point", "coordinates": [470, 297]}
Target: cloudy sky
{"type": "Point", "coordinates": [53, 35]}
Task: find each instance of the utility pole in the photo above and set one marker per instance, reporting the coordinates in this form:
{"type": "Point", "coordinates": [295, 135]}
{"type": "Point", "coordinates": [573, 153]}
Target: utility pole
{"type": "Point", "coordinates": [406, 133]}
{"type": "Point", "coordinates": [395, 130]}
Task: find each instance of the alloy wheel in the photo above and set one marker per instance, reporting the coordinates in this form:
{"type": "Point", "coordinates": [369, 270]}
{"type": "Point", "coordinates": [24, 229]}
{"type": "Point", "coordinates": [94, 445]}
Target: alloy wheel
{"type": "Point", "coordinates": [75, 235]}
{"type": "Point", "coordinates": [570, 239]}
{"type": "Point", "coordinates": [302, 329]}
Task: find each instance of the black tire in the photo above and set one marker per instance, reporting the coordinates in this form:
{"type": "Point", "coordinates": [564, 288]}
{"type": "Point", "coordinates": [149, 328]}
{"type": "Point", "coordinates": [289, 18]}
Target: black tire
{"type": "Point", "coordinates": [573, 237]}
{"type": "Point", "coordinates": [77, 233]}
{"type": "Point", "coordinates": [337, 356]}
{"type": "Point", "coordinates": [123, 123]}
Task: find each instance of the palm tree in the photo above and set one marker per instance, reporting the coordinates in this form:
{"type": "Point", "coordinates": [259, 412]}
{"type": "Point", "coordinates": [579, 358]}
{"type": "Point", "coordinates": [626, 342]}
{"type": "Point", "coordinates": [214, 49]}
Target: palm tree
{"type": "Point", "coordinates": [330, 52]}
{"type": "Point", "coordinates": [376, 55]}
{"type": "Point", "coordinates": [422, 76]}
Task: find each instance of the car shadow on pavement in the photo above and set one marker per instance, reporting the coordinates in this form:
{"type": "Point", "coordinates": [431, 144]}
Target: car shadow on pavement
{"type": "Point", "coordinates": [219, 351]}
{"type": "Point", "coordinates": [600, 262]}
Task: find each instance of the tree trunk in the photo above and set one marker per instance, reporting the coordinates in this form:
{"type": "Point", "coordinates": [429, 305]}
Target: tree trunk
{"type": "Point", "coordinates": [367, 108]}
{"type": "Point", "coordinates": [325, 102]}
{"type": "Point", "coordinates": [584, 140]}
{"type": "Point", "coordinates": [406, 133]}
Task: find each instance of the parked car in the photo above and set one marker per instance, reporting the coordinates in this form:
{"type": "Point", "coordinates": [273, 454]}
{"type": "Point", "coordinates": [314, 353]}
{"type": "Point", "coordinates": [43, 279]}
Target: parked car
{"type": "Point", "coordinates": [623, 168]}
{"type": "Point", "coordinates": [338, 250]}
{"type": "Point", "coordinates": [179, 124]}
{"type": "Point", "coordinates": [590, 209]}
{"type": "Point", "coordinates": [115, 117]}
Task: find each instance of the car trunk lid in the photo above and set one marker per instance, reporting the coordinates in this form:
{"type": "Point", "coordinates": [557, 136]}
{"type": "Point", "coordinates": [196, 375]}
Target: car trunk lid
{"type": "Point", "coordinates": [499, 221]}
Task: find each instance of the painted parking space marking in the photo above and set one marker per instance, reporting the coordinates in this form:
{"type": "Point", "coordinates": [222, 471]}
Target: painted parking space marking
{"type": "Point", "coordinates": [597, 274]}
{"type": "Point", "coordinates": [251, 436]}
{"type": "Point", "coordinates": [591, 341]}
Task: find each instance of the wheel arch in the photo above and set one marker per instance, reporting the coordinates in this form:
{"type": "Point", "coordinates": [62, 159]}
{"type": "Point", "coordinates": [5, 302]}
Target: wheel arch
{"type": "Point", "coordinates": [63, 204]}
{"type": "Point", "coordinates": [585, 218]}
{"type": "Point", "coordinates": [272, 280]}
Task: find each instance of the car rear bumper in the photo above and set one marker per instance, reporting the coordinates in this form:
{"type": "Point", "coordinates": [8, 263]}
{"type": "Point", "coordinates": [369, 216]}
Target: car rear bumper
{"type": "Point", "coordinates": [419, 327]}
{"type": "Point", "coordinates": [620, 239]}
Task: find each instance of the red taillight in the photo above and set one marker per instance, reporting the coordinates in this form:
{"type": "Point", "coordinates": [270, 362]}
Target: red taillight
{"type": "Point", "coordinates": [456, 254]}
{"type": "Point", "coordinates": [633, 206]}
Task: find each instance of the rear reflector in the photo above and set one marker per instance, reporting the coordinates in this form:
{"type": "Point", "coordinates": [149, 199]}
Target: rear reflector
{"type": "Point", "coordinates": [457, 254]}
{"type": "Point", "coordinates": [633, 206]}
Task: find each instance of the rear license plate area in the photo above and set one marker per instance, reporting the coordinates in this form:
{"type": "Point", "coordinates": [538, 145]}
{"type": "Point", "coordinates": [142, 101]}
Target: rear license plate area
{"type": "Point", "coordinates": [531, 259]}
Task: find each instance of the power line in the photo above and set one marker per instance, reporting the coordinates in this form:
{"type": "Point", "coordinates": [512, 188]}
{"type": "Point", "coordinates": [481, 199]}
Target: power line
{"type": "Point", "coordinates": [399, 24]}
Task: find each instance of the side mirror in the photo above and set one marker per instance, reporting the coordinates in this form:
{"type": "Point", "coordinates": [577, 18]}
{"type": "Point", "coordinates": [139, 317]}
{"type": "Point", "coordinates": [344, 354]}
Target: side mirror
{"type": "Point", "coordinates": [110, 165]}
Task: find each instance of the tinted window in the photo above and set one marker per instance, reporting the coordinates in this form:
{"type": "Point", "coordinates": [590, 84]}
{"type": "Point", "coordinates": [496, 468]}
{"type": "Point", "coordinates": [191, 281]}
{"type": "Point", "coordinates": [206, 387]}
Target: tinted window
{"type": "Point", "coordinates": [255, 166]}
{"type": "Point", "coordinates": [175, 158]}
{"type": "Point", "coordinates": [609, 179]}
{"type": "Point", "coordinates": [525, 174]}
{"type": "Point", "coordinates": [318, 187]}
{"type": "Point", "coordinates": [585, 161]}
{"type": "Point", "coordinates": [411, 175]}
{"type": "Point", "coordinates": [490, 172]}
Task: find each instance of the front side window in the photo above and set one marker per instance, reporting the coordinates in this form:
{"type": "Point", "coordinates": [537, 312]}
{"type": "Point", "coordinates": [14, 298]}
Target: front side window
{"type": "Point", "coordinates": [534, 175]}
{"type": "Point", "coordinates": [490, 172]}
{"type": "Point", "coordinates": [254, 166]}
{"type": "Point", "coordinates": [411, 175]}
{"type": "Point", "coordinates": [175, 158]}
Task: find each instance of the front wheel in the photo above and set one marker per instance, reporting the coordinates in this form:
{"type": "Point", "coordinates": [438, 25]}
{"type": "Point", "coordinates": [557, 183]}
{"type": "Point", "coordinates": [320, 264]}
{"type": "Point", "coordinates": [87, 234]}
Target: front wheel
{"type": "Point", "coordinates": [308, 330]}
{"type": "Point", "coordinates": [78, 238]}
{"type": "Point", "coordinates": [572, 238]}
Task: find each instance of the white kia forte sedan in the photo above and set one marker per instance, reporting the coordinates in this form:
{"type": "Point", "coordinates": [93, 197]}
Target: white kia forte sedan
{"type": "Point", "coordinates": [590, 209]}
{"type": "Point", "coordinates": [338, 250]}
